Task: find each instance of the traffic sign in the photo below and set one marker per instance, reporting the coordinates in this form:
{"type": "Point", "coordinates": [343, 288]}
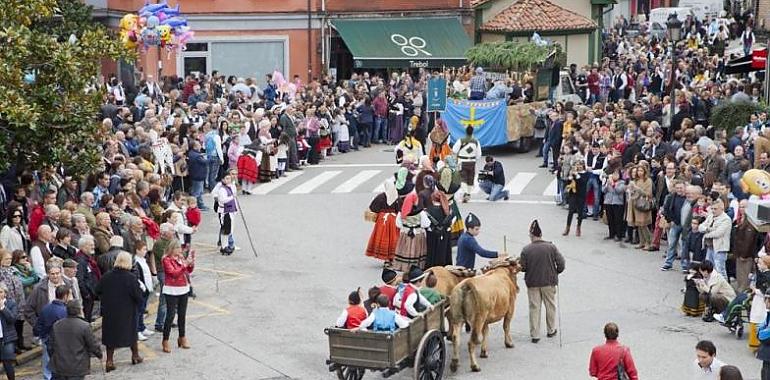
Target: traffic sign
{"type": "Point", "coordinates": [436, 95]}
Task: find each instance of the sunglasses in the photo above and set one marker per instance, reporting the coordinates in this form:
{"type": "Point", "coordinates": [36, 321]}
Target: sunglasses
{"type": "Point", "coordinates": [17, 216]}
{"type": "Point", "coordinates": [23, 257]}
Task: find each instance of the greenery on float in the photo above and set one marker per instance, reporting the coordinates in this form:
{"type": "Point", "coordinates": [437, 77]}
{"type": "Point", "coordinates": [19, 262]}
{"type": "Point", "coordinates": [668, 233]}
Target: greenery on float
{"type": "Point", "coordinates": [50, 53]}
{"type": "Point", "coordinates": [513, 55]}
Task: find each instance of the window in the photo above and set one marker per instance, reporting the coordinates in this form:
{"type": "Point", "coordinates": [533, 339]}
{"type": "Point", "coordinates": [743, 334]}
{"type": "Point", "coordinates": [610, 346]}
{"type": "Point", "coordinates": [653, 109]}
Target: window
{"type": "Point", "coordinates": [197, 46]}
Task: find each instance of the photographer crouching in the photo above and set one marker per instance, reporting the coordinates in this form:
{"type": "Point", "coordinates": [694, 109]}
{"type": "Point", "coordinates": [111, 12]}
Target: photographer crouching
{"type": "Point", "coordinates": [492, 180]}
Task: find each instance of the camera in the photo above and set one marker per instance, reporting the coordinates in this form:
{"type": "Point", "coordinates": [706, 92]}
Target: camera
{"type": "Point", "coordinates": [486, 175]}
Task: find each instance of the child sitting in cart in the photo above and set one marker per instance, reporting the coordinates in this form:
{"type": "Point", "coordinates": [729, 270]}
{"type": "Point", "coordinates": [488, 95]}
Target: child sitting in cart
{"type": "Point", "coordinates": [429, 290]}
{"type": "Point", "coordinates": [383, 319]}
{"type": "Point", "coordinates": [351, 317]}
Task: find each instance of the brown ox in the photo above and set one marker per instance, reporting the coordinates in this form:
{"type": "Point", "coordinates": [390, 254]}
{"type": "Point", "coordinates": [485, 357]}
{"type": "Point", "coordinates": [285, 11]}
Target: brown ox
{"type": "Point", "coordinates": [446, 280]}
{"type": "Point", "coordinates": [479, 301]}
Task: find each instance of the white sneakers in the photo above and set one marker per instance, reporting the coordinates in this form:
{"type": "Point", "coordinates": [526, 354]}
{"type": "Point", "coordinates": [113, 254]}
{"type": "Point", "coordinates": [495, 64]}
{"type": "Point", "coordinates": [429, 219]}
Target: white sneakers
{"type": "Point", "coordinates": [147, 332]}
{"type": "Point", "coordinates": [719, 317]}
{"type": "Point", "coordinates": [141, 337]}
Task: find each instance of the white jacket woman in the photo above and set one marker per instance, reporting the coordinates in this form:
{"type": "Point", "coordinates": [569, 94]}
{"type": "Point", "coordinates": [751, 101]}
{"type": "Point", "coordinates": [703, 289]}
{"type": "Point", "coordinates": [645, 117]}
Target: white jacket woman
{"type": "Point", "coordinates": [12, 238]}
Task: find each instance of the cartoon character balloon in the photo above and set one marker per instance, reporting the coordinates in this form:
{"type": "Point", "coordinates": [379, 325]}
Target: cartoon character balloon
{"type": "Point", "coordinates": [150, 33]}
{"type": "Point", "coordinates": [128, 30]}
{"type": "Point", "coordinates": [165, 35]}
{"type": "Point", "coordinates": [756, 182]}
{"type": "Point", "coordinates": [155, 25]}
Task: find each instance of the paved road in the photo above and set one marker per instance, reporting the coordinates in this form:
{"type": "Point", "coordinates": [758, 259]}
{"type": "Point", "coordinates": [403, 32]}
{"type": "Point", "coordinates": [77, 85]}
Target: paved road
{"type": "Point", "coordinates": [263, 318]}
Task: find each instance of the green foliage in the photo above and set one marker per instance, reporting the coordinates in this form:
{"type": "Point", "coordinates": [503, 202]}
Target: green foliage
{"type": "Point", "coordinates": [729, 115]}
{"type": "Point", "coordinates": [52, 120]}
{"type": "Point", "coordinates": [512, 55]}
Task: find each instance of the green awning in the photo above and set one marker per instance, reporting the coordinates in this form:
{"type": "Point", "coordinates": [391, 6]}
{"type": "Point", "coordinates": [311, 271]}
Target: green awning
{"type": "Point", "coordinates": [404, 42]}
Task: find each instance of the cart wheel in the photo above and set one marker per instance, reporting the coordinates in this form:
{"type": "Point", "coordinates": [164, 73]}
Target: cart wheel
{"type": "Point", "coordinates": [350, 373]}
{"type": "Point", "coordinates": [430, 357]}
{"type": "Point", "coordinates": [739, 333]}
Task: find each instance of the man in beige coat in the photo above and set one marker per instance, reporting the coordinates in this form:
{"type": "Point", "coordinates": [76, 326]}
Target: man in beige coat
{"type": "Point", "coordinates": [716, 238]}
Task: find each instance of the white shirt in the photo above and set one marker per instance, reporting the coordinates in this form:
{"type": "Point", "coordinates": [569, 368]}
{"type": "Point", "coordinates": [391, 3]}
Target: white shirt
{"type": "Point", "coordinates": [344, 318]}
{"type": "Point", "coordinates": [410, 301]}
{"type": "Point", "coordinates": [147, 284]}
{"type": "Point", "coordinates": [709, 373]}
{"type": "Point", "coordinates": [37, 261]}
{"type": "Point", "coordinates": [401, 322]}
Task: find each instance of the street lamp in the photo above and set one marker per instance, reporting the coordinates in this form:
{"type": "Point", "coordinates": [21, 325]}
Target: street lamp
{"type": "Point", "coordinates": [674, 30]}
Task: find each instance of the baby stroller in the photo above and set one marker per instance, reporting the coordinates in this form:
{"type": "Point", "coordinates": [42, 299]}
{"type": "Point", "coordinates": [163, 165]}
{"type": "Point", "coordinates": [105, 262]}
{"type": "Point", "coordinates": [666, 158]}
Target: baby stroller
{"type": "Point", "coordinates": [737, 314]}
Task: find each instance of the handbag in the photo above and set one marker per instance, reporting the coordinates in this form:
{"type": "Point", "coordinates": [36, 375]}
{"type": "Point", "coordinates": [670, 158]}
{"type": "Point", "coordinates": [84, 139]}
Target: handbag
{"type": "Point", "coordinates": [370, 216]}
{"type": "Point", "coordinates": [622, 374]}
{"type": "Point", "coordinates": [604, 217]}
{"type": "Point", "coordinates": [643, 203]}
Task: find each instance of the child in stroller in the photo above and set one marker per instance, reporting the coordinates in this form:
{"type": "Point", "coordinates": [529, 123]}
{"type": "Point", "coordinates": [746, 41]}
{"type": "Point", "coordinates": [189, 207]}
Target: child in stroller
{"type": "Point", "coordinates": [740, 309]}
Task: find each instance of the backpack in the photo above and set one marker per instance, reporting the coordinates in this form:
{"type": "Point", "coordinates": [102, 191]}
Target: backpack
{"type": "Point", "coordinates": [622, 374]}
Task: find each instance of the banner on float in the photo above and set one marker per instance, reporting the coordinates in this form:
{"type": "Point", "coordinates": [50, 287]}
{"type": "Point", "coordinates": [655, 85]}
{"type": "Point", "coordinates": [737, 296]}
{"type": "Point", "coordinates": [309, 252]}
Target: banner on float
{"type": "Point", "coordinates": [487, 117]}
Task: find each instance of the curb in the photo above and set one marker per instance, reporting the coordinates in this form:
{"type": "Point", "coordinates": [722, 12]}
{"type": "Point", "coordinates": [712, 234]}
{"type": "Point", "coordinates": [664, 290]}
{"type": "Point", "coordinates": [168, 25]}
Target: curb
{"type": "Point", "coordinates": [28, 356]}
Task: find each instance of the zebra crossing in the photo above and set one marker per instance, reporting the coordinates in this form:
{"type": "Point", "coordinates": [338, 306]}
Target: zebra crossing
{"type": "Point", "coordinates": [347, 179]}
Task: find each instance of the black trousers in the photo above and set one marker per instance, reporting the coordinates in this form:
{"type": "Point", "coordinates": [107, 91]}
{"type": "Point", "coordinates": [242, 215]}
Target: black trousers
{"type": "Point", "coordinates": [88, 307]}
{"type": "Point", "coordinates": [615, 220]}
{"type": "Point", "coordinates": [765, 370]}
{"type": "Point", "coordinates": [175, 306]}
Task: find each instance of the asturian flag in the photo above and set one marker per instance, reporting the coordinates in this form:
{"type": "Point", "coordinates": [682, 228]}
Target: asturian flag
{"type": "Point", "coordinates": [489, 119]}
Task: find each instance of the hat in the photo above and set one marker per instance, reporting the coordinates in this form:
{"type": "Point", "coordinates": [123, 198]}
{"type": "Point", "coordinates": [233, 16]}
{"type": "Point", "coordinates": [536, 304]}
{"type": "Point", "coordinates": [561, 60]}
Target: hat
{"type": "Point", "coordinates": [69, 263]}
{"type": "Point", "coordinates": [388, 275]}
{"type": "Point", "coordinates": [415, 274]}
{"type": "Point", "coordinates": [355, 297]}
{"type": "Point", "coordinates": [472, 221]}
{"type": "Point", "coordinates": [534, 229]}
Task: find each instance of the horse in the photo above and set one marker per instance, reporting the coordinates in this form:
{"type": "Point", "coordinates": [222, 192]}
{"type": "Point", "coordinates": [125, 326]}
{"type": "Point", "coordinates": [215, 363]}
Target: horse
{"type": "Point", "coordinates": [482, 300]}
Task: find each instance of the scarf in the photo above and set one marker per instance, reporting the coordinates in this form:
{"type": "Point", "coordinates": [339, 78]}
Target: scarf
{"type": "Point", "coordinates": [401, 177]}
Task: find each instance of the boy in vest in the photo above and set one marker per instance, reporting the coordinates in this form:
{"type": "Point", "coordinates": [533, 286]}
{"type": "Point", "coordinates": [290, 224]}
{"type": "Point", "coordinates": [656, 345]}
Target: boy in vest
{"type": "Point", "coordinates": [352, 316]}
{"type": "Point", "coordinates": [384, 319]}
{"type": "Point", "coordinates": [409, 302]}
{"type": "Point", "coordinates": [468, 151]}
{"type": "Point", "coordinates": [388, 289]}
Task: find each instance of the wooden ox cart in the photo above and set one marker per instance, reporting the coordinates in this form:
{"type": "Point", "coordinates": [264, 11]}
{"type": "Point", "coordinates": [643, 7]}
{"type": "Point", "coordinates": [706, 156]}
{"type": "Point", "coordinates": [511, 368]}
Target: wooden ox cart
{"type": "Point", "coordinates": [421, 345]}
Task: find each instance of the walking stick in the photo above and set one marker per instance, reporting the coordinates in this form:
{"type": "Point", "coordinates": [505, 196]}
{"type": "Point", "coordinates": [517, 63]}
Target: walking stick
{"type": "Point", "coordinates": [246, 226]}
{"type": "Point", "coordinates": [558, 311]}
{"type": "Point", "coordinates": [505, 244]}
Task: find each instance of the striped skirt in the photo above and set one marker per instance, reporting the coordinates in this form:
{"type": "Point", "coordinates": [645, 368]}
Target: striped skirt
{"type": "Point", "coordinates": [411, 250]}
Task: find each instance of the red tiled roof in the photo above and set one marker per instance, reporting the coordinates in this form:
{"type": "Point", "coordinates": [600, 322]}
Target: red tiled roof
{"type": "Point", "coordinates": [537, 16]}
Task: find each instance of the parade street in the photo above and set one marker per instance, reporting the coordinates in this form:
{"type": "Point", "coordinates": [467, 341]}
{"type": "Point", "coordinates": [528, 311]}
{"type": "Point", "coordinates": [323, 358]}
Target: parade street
{"type": "Point", "coordinates": [264, 317]}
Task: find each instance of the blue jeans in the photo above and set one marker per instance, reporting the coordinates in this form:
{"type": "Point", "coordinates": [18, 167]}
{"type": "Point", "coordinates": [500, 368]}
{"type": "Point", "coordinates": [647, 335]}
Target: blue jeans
{"type": "Point", "coordinates": [380, 128]}
{"type": "Point", "coordinates": [719, 259]}
{"type": "Point", "coordinates": [140, 315]}
{"type": "Point", "coordinates": [546, 151]}
{"type": "Point", "coordinates": [595, 185]}
{"type": "Point", "coordinates": [47, 375]}
{"type": "Point", "coordinates": [496, 191]}
{"type": "Point", "coordinates": [674, 234]}
{"type": "Point", "coordinates": [196, 190]}
{"type": "Point", "coordinates": [213, 172]}
{"type": "Point", "coordinates": [161, 317]}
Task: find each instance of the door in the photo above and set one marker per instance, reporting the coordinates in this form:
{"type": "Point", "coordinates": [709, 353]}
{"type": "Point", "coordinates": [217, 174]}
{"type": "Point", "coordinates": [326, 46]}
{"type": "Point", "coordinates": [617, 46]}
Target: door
{"type": "Point", "coordinates": [195, 64]}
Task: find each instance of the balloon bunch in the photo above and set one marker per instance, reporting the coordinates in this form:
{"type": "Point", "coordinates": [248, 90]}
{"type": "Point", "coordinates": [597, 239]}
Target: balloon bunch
{"type": "Point", "coordinates": [155, 25]}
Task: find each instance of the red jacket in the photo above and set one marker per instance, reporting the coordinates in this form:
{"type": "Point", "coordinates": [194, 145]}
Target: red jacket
{"type": "Point", "coordinates": [356, 315]}
{"type": "Point", "coordinates": [35, 220]}
{"type": "Point", "coordinates": [380, 106]}
{"type": "Point", "coordinates": [176, 272]}
{"type": "Point", "coordinates": [193, 216]}
{"type": "Point", "coordinates": [603, 364]}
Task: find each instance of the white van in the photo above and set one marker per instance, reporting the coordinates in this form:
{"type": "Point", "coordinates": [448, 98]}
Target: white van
{"type": "Point", "coordinates": [660, 15]}
{"type": "Point", "coordinates": [703, 8]}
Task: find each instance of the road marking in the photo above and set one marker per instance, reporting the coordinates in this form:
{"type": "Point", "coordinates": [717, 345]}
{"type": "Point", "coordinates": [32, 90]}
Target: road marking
{"type": "Point", "coordinates": [380, 188]}
{"type": "Point", "coordinates": [476, 188]}
{"type": "Point", "coordinates": [356, 181]}
{"type": "Point", "coordinates": [519, 182]}
{"type": "Point", "coordinates": [217, 311]}
{"type": "Point", "coordinates": [551, 190]}
{"type": "Point", "coordinates": [316, 181]}
{"type": "Point", "coordinates": [352, 166]}
{"type": "Point", "coordinates": [274, 184]}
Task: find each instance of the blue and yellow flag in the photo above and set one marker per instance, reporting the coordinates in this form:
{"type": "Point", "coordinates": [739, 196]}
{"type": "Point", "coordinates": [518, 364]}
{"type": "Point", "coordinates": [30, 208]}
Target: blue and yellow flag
{"type": "Point", "coordinates": [487, 117]}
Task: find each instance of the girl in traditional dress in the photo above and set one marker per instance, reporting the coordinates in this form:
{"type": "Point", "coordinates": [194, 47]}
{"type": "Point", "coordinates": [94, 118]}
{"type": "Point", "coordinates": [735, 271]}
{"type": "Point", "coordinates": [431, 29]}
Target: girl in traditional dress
{"type": "Point", "coordinates": [248, 166]}
{"type": "Point", "coordinates": [439, 136]}
{"type": "Point", "coordinates": [267, 142]}
{"type": "Point", "coordinates": [226, 208]}
{"type": "Point", "coordinates": [412, 247]}
{"type": "Point", "coordinates": [410, 148]}
{"type": "Point", "coordinates": [439, 235]}
{"type": "Point", "coordinates": [384, 237]}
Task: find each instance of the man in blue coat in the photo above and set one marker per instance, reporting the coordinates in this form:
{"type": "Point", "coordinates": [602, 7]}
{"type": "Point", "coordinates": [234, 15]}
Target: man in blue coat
{"type": "Point", "coordinates": [468, 247]}
{"type": "Point", "coordinates": [198, 168]}
{"type": "Point", "coordinates": [51, 313]}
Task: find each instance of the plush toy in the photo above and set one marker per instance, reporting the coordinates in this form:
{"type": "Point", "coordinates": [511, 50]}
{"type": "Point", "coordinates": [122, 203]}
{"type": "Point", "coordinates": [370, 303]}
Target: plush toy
{"type": "Point", "coordinates": [150, 34]}
{"type": "Point", "coordinates": [128, 27]}
{"type": "Point", "coordinates": [165, 35]}
{"type": "Point", "coordinates": [756, 182]}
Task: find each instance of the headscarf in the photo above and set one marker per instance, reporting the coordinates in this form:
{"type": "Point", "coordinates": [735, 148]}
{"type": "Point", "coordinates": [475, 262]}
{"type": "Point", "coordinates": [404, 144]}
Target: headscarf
{"type": "Point", "coordinates": [426, 163]}
{"type": "Point", "coordinates": [439, 197]}
{"type": "Point", "coordinates": [429, 182]}
{"type": "Point", "coordinates": [391, 195]}
{"type": "Point", "coordinates": [450, 162]}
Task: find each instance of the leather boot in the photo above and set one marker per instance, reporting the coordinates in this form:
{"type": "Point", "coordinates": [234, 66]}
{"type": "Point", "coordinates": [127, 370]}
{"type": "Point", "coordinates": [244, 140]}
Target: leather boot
{"type": "Point", "coordinates": [166, 347]}
{"type": "Point", "coordinates": [182, 342]}
{"type": "Point", "coordinates": [566, 231]}
{"type": "Point", "coordinates": [577, 231]}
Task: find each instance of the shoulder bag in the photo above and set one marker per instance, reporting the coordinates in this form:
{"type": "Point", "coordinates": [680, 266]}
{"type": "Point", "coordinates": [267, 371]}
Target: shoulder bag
{"type": "Point", "coordinates": [622, 374]}
{"type": "Point", "coordinates": [643, 203]}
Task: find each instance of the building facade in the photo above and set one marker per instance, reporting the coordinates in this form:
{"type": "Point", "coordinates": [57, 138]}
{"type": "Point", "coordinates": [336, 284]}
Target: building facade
{"type": "Point", "coordinates": [251, 38]}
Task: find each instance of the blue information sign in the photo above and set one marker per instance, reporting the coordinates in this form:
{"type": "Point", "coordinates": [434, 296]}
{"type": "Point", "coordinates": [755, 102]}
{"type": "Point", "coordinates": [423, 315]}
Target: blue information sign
{"type": "Point", "coordinates": [436, 95]}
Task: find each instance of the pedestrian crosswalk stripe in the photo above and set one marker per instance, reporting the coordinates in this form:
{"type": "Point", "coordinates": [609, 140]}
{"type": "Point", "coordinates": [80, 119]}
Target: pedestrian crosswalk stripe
{"type": "Point", "coordinates": [551, 189]}
{"type": "Point", "coordinates": [356, 181]}
{"type": "Point", "coordinates": [380, 188]}
{"type": "Point", "coordinates": [265, 188]}
{"type": "Point", "coordinates": [476, 188]}
{"type": "Point", "coordinates": [519, 182]}
{"type": "Point", "coordinates": [314, 182]}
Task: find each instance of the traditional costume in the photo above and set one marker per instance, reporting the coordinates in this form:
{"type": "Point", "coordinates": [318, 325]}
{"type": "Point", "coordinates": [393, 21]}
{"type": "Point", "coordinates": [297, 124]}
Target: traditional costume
{"type": "Point", "coordinates": [269, 161]}
{"type": "Point", "coordinates": [248, 166]}
{"type": "Point", "coordinates": [387, 288]}
{"type": "Point", "coordinates": [226, 207]}
{"type": "Point", "coordinates": [439, 235]}
{"type": "Point", "coordinates": [409, 302]}
{"type": "Point", "coordinates": [693, 305]}
{"type": "Point", "coordinates": [382, 241]}
{"type": "Point", "coordinates": [468, 247]}
{"type": "Point", "coordinates": [426, 169]}
{"type": "Point", "coordinates": [468, 151]}
{"type": "Point", "coordinates": [412, 247]}
{"type": "Point", "coordinates": [439, 149]}
{"type": "Point", "coordinates": [410, 149]}
{"type": "Point", "coordinates": [449, 183]}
